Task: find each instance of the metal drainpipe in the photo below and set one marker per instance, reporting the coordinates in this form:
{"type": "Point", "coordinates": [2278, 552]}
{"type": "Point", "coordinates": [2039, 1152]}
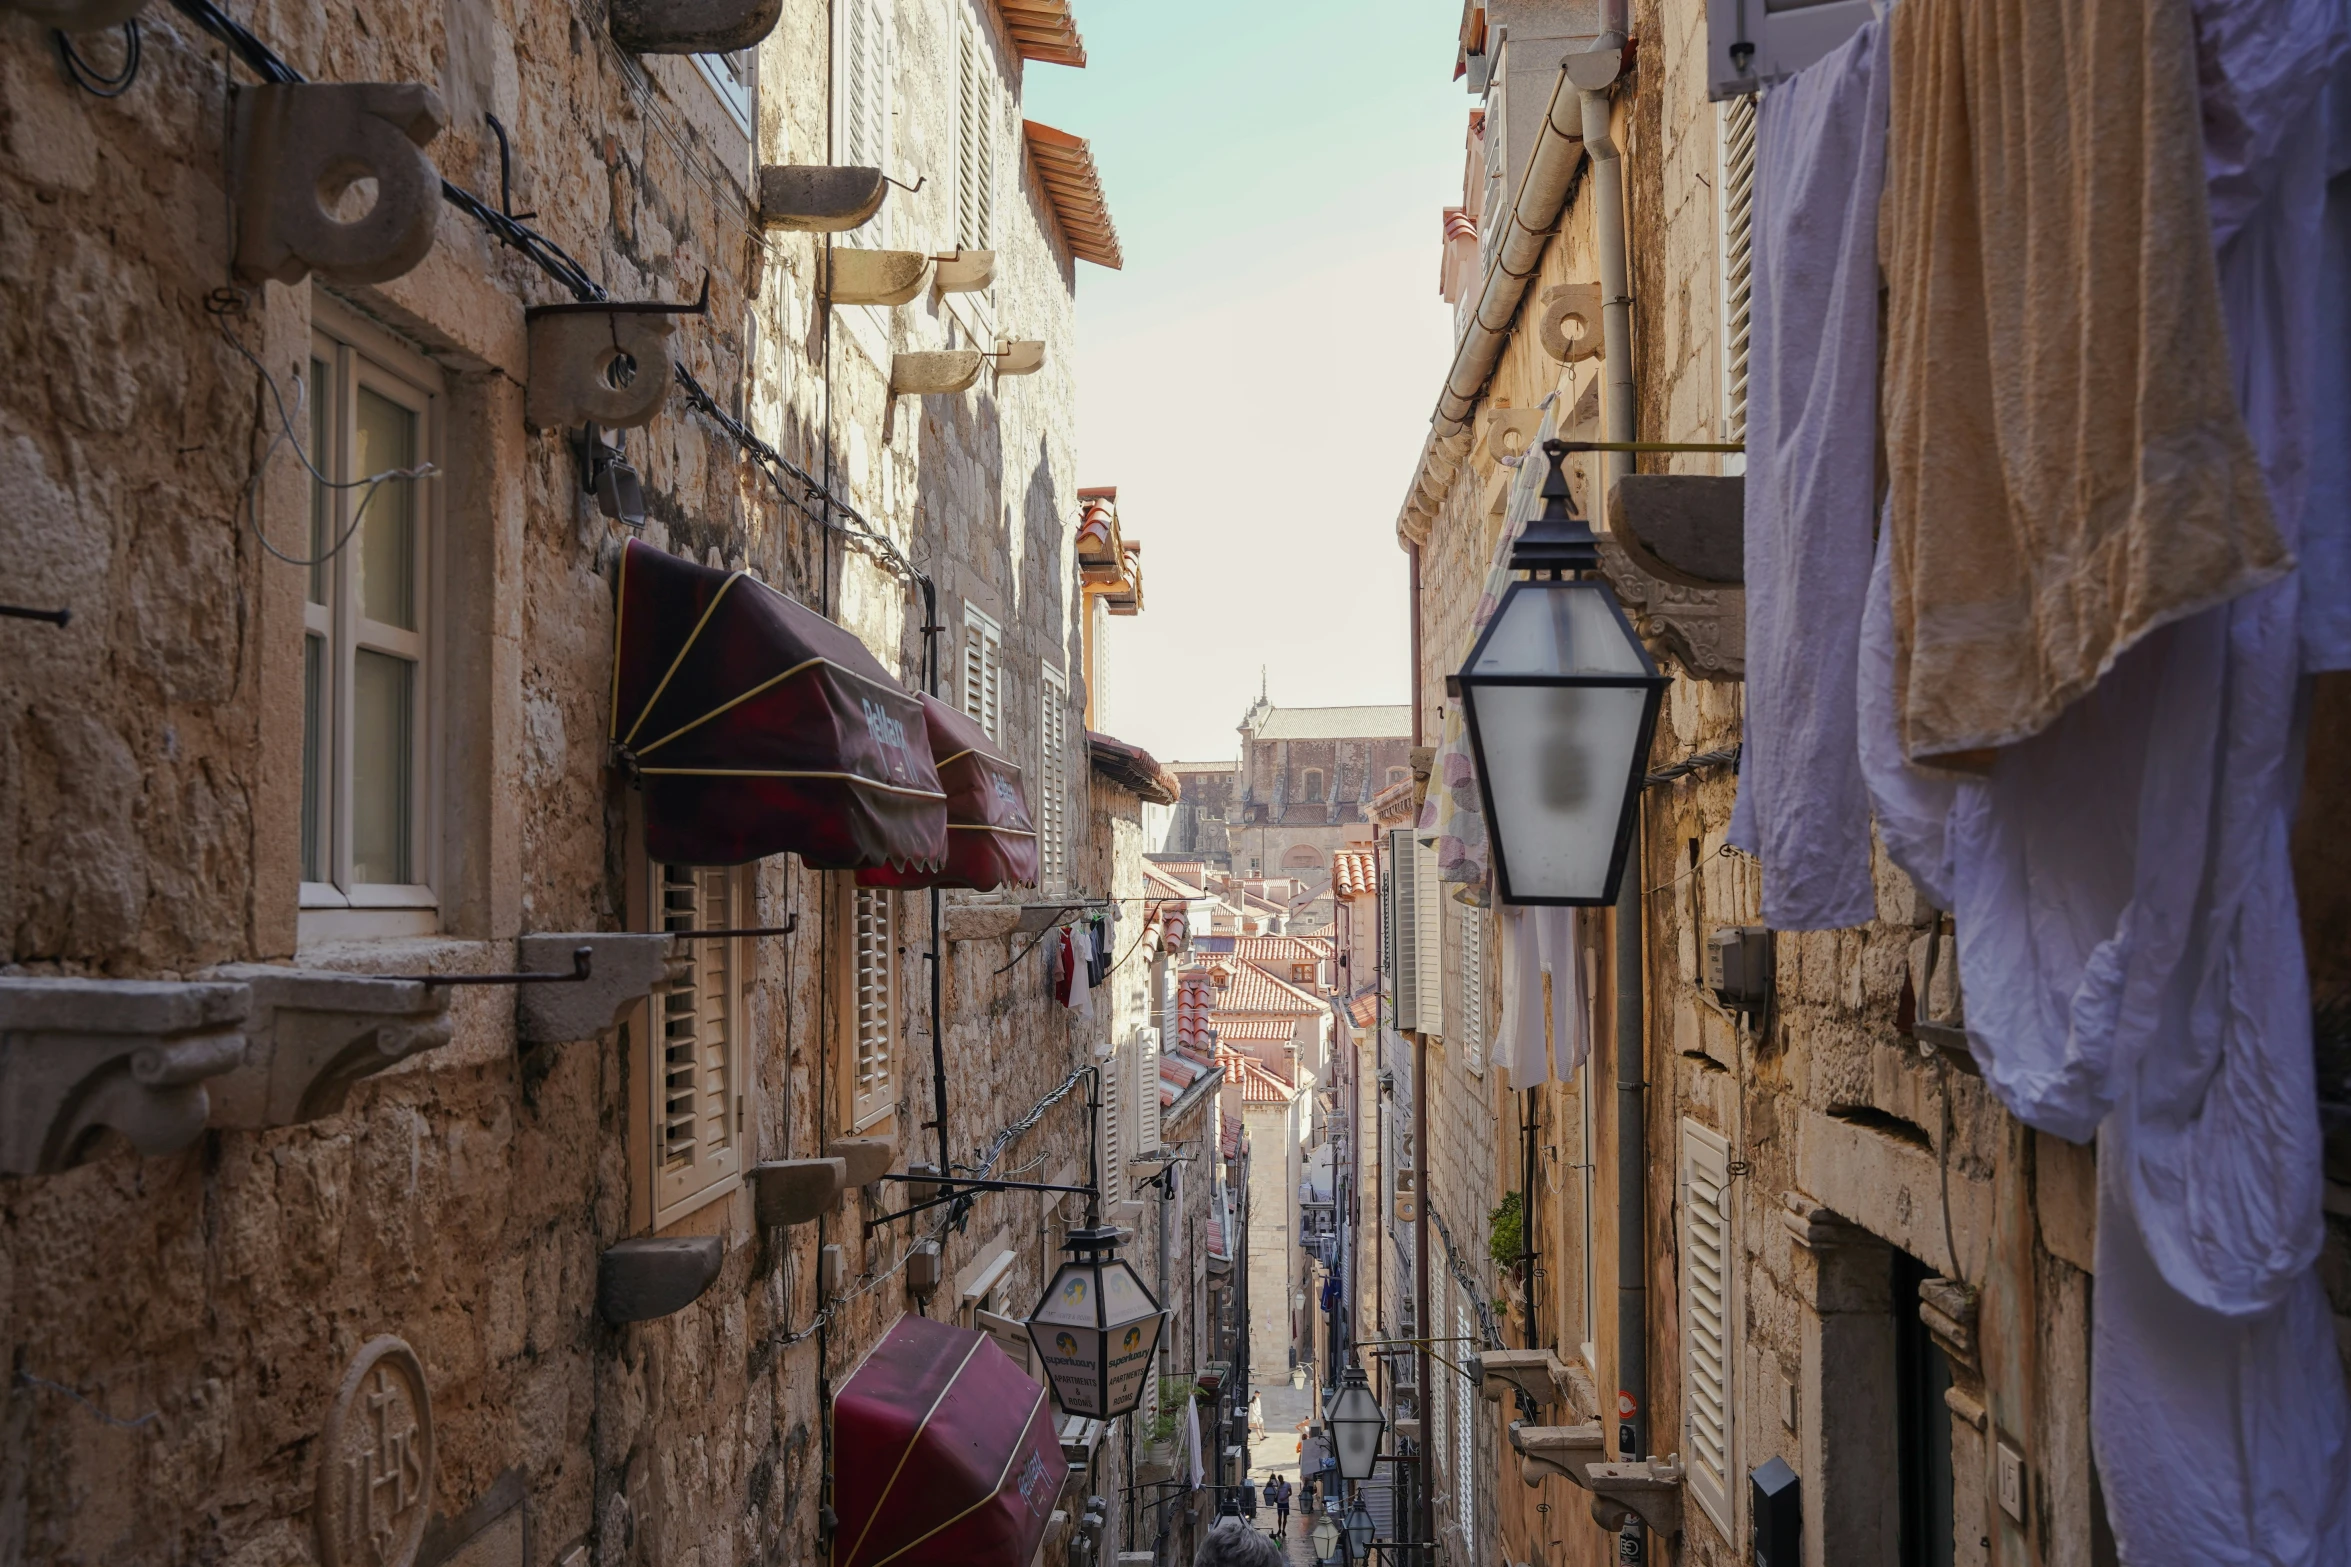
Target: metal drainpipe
{"type": "Point", "coordinates": [1593, 73]}
{"type": "Point", "coordinates": [1425, 1324]}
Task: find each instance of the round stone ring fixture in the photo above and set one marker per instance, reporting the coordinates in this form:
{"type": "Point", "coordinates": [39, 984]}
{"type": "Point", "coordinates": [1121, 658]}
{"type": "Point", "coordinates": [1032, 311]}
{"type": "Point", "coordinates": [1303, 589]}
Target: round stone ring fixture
{"type": "Point", "coordinates": [375, 1461]}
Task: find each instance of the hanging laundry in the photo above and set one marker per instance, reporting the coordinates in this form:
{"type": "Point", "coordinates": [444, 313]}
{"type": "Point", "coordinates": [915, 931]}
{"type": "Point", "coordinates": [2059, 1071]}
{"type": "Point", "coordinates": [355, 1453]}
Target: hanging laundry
{"type": "Point", "coordinates": [2326, 521]}
{"type": "Point", "coordinates": [1803, 809]}
{"type": "Point", "coordinates": [2067, 468]}
{"type": "Point", "coordinates": [1098, 966]}
{"type": "Point", "coordinates": [2129, 949]}
{"type": "Point", "coordinates": [1543, 1032]}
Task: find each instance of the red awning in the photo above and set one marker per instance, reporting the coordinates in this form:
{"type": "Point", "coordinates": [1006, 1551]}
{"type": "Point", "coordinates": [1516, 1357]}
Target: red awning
{"type": "Point", "coordinates": [759, 727]}
{"type": "Point", "coordinates": [991, 841]}
{"type": "Point", "coordinates": [944, 1454]}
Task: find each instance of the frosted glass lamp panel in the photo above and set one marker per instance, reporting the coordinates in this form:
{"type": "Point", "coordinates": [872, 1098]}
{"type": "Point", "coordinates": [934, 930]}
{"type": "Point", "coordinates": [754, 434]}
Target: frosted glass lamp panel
{"type": "Point", "coordinates": [1564, 629]}
{"type": "Point", "coordinates": [1557, 762]}
{"type": "Point", "coordinates": [1131, 1348]}
{"type": "Point", "coordinates": [386, 547]}
{"type": "Point", "coordinates": [382, 766]}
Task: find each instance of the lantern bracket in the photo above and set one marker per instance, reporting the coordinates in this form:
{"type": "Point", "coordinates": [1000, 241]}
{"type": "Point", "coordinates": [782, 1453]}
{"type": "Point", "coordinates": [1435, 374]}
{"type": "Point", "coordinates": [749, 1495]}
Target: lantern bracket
{"type": "Point", "coordinates": [951, 1188]}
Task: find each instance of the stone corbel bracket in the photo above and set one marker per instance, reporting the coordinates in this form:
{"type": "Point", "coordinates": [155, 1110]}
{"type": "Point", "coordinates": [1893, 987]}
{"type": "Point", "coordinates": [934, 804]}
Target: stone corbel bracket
{"type": "Point", "coordinates": [1019, 355]}
{"type": "Point", "coordinates": [1948, 1309]}
{"type": "Point", "coordinates": [312, 1033]}
{"type": "Point", "coordinates": [981, 921]}
{"type": "Point", "coordinates": [935, 372]}
{"type": "Point", "coordinates": [794, 1191]}
{"type": "Point", "coordinates": [1570, 328]}
{"type": "Point", "coordinates": [602, 363]}
{"type": "Point", "coordinates": [865, 1160]}
{"type": "Point", "coordinates": [1702, 629]}
{"type": "Point", "coordinates": [299, 147]}
{"type": "Point", "coordinates": [1534, 1372]}
{"type": "Point", "coordinates": [964, 271]}
{"type": "Point", "coordinates": [1651, 1492]}
{"type": "Point", "coordinates": [77, 16]}
{"type": "Point", "coordinates": [640, 1280]}
{"type": "Point", "coordinates": [692, 26]}
{"type": "Point", "coordinates": [625, 969]}
{"type": "Point", "coordinates": [856, 276]}
{"type": "Point", "coordinates": [818, 198]}
{"type": "Point", "coordinates": [1688, 529]}
{"type": "Point", "coordinates": [1562, 1451]}
{"type": "Point", "coordinates": [81, 1056]}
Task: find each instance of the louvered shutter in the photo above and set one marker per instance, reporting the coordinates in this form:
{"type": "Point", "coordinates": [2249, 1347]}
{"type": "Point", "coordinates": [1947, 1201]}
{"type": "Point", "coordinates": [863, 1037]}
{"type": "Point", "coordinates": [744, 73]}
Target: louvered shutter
{"type": "Point", "coordinates": [1737, 124]}
{"type": "Point", "coordinates": [975, 143]}
{"type": "Point", "coordinates": [1428, 951]}
{"type": "Point", "coordinates": [1404, 928]}
{"type": "Point", "coordinates": [865, 101]}
{"type": "Point", "coordinates": [1706, 1317]}
{"type": "Point", "coordinates": [1053, 782]}
{"type": "Point", "coordinates": [1112, 1123]}
{"type": "Point", "coordinates": [1465, 1402]}
{"type": "Point", "coordinates": [1752, 43]}
{"type": "Point", "coordinates": [1146, 1090]}
{"type": "Point", "coordinates": [697, 1098]}
{"type": "Point", "coordinates": [983, 672]}
{"type": "Point", "coordinates": [871, 1010]}
{"type": "Point", "coordinates": [1469, 1009]}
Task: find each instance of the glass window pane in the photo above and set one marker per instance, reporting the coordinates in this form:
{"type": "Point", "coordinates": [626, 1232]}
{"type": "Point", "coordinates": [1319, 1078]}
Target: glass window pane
{"type": "Point", "coordinates": [386, 555]}
{"type": "Point", "coordinates": [322, 508]}
{"type": "Point", "coordinates": [1559, 760]}
{"type": "Point", "coordinates": [314, 656]}
{"type": "Point", "coordinates": [382, 767]}
{"type": "Point", "coordinates": [1569, 628]}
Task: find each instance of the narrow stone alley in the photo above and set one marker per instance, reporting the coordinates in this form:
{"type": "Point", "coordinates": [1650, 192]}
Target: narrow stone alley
{"type": "Point", "coordinates": [1695, 915]}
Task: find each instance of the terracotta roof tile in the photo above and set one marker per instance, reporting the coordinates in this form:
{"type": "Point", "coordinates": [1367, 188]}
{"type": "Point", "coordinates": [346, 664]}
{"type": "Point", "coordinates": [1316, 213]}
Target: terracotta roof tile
{"type": "Point", "coordinates": [1252, 989]}
{"type": "Point", "coordinates": [1044, 30]}
{"type": "Point", "coordinates": [1066, 166]}
{"type": "Point", "coordinates": [1354, 871]}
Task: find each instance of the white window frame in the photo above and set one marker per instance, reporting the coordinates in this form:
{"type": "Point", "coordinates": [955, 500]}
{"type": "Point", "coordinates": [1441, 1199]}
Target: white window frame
{"type": "Point", "coordinates": [698, 898]}
{"type": "Point", "coordinates": [733, 80]}
{"type": "Point", "coordinates": [870, 1009]}
{"type": "Point", "coordinates": [333, 905]}
{"type": "Point", "coordinates": [1734, 184]}
{"type": "Point", "coordinates": [1053, 780]}
{"type": "Point", "coordinates": [1786, 38]}
{"type": "Point", "coordinates": [1708, 1261]}
{"type": "Point", "coordinates": [982, 682]}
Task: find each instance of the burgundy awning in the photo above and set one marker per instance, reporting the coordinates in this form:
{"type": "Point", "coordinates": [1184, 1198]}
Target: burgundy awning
{"type": "Point", "coordinates": [991, 842]}
{"type": "Point", "coordinates": [760, 727]}
{"type": "Point", "coordinates": [944, 1454]}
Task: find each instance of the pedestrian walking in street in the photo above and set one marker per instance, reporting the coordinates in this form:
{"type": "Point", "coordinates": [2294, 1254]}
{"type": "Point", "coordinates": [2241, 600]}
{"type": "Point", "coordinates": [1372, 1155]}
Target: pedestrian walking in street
{"type": "Point", "coordinates": [1277, 1491]}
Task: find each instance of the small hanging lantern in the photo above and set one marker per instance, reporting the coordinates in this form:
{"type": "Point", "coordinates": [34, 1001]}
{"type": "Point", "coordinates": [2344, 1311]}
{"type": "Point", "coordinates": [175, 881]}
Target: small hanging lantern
{"type": "Point", "coordinates": [1561, 700]}
{"type": "Point", "coordinates": [1356, 1424]}
{"type": "Point", "coordinates": [1096, 1329]}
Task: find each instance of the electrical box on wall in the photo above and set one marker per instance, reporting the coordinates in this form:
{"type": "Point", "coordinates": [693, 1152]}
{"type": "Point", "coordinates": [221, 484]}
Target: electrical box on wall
{"type": "Point", "coordinates": [1776, 1503]}
{"type": "Point", "coordinates": [1739, 967]}
{"type": "Point", "coordinates": [2010, 1474]}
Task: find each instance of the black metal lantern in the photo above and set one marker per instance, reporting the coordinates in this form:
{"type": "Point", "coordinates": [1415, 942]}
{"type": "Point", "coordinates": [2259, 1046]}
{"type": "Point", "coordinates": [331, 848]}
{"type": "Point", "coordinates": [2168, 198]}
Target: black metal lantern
{"type": "Point", "coordinates": [1560, 699]}
{"type": "Point", "coordinates": [1356, 1424]}
{"type": "Point", "coordinates": [1359, 1530]}
{"type": "Point", "coordinates": [1096, 1329]}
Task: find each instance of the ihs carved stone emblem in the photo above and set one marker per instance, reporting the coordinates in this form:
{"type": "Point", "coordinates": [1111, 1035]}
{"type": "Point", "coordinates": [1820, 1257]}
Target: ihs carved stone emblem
{"type": "Point", "coordinates": [375, 1461]}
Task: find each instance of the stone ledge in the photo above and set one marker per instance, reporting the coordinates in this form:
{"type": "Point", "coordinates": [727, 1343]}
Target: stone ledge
{"type": "Point", "coordinates": [79, 1057]}
{"type": "Point", "coordinates": [313, 1033]}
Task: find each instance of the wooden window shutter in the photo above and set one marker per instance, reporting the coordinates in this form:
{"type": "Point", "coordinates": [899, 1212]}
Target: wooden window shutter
{"type": "Point", "coordinates": [975, 143]}
{"type": "Point", "coordinates": [1053, 782]}
{"type": "Point", "coordinates": [1706, 1317]}
{"type": "Point", "coordinates": [1737, 243]}
{"type": "Point", "coordinates": [698, 1099]}
{"type": "Point", "coordinates": [1428, 952]}
{"type": "Point", "coordinates": [1403, 928]}
{"type": "Point", "coordinates": [871, 1011]}
{"type": "Point", "coordinates": [866, 84]}
{"type": "Point", "coordinates": [1146, 1090]}
{"type": "Point", "coordinates": [1471, 1008]}
{"type": "Point", "coordinates": [1112, 1124]}
{"type": "Point", "coordinates": [983, 672]}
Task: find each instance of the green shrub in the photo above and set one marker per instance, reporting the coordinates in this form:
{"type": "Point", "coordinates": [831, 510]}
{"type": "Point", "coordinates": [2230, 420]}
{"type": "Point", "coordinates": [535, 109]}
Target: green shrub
{"type": "Point", "coordinates": [1506, 1232]}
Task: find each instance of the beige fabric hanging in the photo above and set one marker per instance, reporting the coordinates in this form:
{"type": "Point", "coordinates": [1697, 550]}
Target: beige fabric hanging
{"type": "Point", "coordinates": [2067, 467]}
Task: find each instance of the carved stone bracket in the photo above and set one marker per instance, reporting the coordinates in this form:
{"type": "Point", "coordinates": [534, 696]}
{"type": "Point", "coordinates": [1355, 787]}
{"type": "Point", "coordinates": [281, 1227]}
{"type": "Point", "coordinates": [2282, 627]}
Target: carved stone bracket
{"type": "Point", "coordinates": [312, 1033]}
{"type": "Point", "coordinates": [935, 372]}
{"type": "Point", "coordinates": [1702, 629]}
{"type": "Point", "coordinates": [964, 271]}
{"type": "Point", "coordinates": [856, 276]}
{"type": "Point", "coordinates": [77, 16]}
{"type": "Point", "coordinates": [692, 26]}
{"type": "Point", "coordinates": [1814, 1227]}
{"type": "Point", "coordinates": [1570, 328]}
{"type": "Point", "coordinates": [301, 146]}
{"type": "Point", "coordinates": [1534, 1372]}
{"type": "Point", "coordinates": [639, 1280]}
{"type": "Point", "coordinates": [1019, 355]}
{"type": "Point", "coordinates": [1651, 1492]}
{"type": "Point", "coordinates": [1948, 1308]}
{"type": "Point", "coordinates": [627, 967]}
{"type": "Point", "coordinates": [865, 1159]}
{"type": "Point", "coordinates": [794, 1191]}
{"type": "Point", "coordinates": [1565, 1452]}
{"type": "Point", "coordinates": [609, 368]}
{"type": "Point", "coordinates": [81, 1056]}
{"type": "Point", "coordinates": [818, 198]}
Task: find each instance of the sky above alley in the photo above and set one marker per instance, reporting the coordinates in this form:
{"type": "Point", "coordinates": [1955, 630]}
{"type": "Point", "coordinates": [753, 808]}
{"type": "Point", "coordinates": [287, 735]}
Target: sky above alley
{"type": "Point", "coordinates": [1257, 381]}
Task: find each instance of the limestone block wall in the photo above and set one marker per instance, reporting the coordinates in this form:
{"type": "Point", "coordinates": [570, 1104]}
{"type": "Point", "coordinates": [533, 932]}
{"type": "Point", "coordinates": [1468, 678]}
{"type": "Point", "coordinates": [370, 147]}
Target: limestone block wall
{"type": "Point", "coordinates": [150, 794]}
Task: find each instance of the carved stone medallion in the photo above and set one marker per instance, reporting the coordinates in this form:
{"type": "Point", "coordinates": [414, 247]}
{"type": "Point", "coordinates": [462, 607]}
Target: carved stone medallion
{"type": "Point", "coordinates": [375, 1461]}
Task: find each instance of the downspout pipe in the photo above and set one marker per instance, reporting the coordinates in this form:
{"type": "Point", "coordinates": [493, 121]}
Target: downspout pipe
{"type": "Point", "coordinates": [1593, 73]}
{"type": "Point", "coordinates": [1532, 219]}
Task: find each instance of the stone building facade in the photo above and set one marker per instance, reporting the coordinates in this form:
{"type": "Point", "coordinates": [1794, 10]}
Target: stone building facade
{"type": "Point", "coordinates": [1804, 1296]}
{"type": "Point", "coordinates": [1304, 779]}
{"type": "Point", "coordinates": [618, 1332]}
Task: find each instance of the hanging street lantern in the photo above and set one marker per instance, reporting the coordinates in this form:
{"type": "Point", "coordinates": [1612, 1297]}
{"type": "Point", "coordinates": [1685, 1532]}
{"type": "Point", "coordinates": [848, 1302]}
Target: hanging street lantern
{"type": "Point", "coordinates": [1096, 1328]}
{"type": "Point", "coordinates": [1560, 699]}
{"type": "Point", "coordinates": [1359, 1531]}
{"type": "Point", "coordinates": [1356, 1424]}
{"type": "Point", "coordinates": [1325, 1535]}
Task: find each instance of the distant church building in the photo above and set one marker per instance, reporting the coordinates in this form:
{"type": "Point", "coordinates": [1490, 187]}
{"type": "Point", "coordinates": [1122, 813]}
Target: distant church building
{"type": "Point", "coordinates": [1299, 793]}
